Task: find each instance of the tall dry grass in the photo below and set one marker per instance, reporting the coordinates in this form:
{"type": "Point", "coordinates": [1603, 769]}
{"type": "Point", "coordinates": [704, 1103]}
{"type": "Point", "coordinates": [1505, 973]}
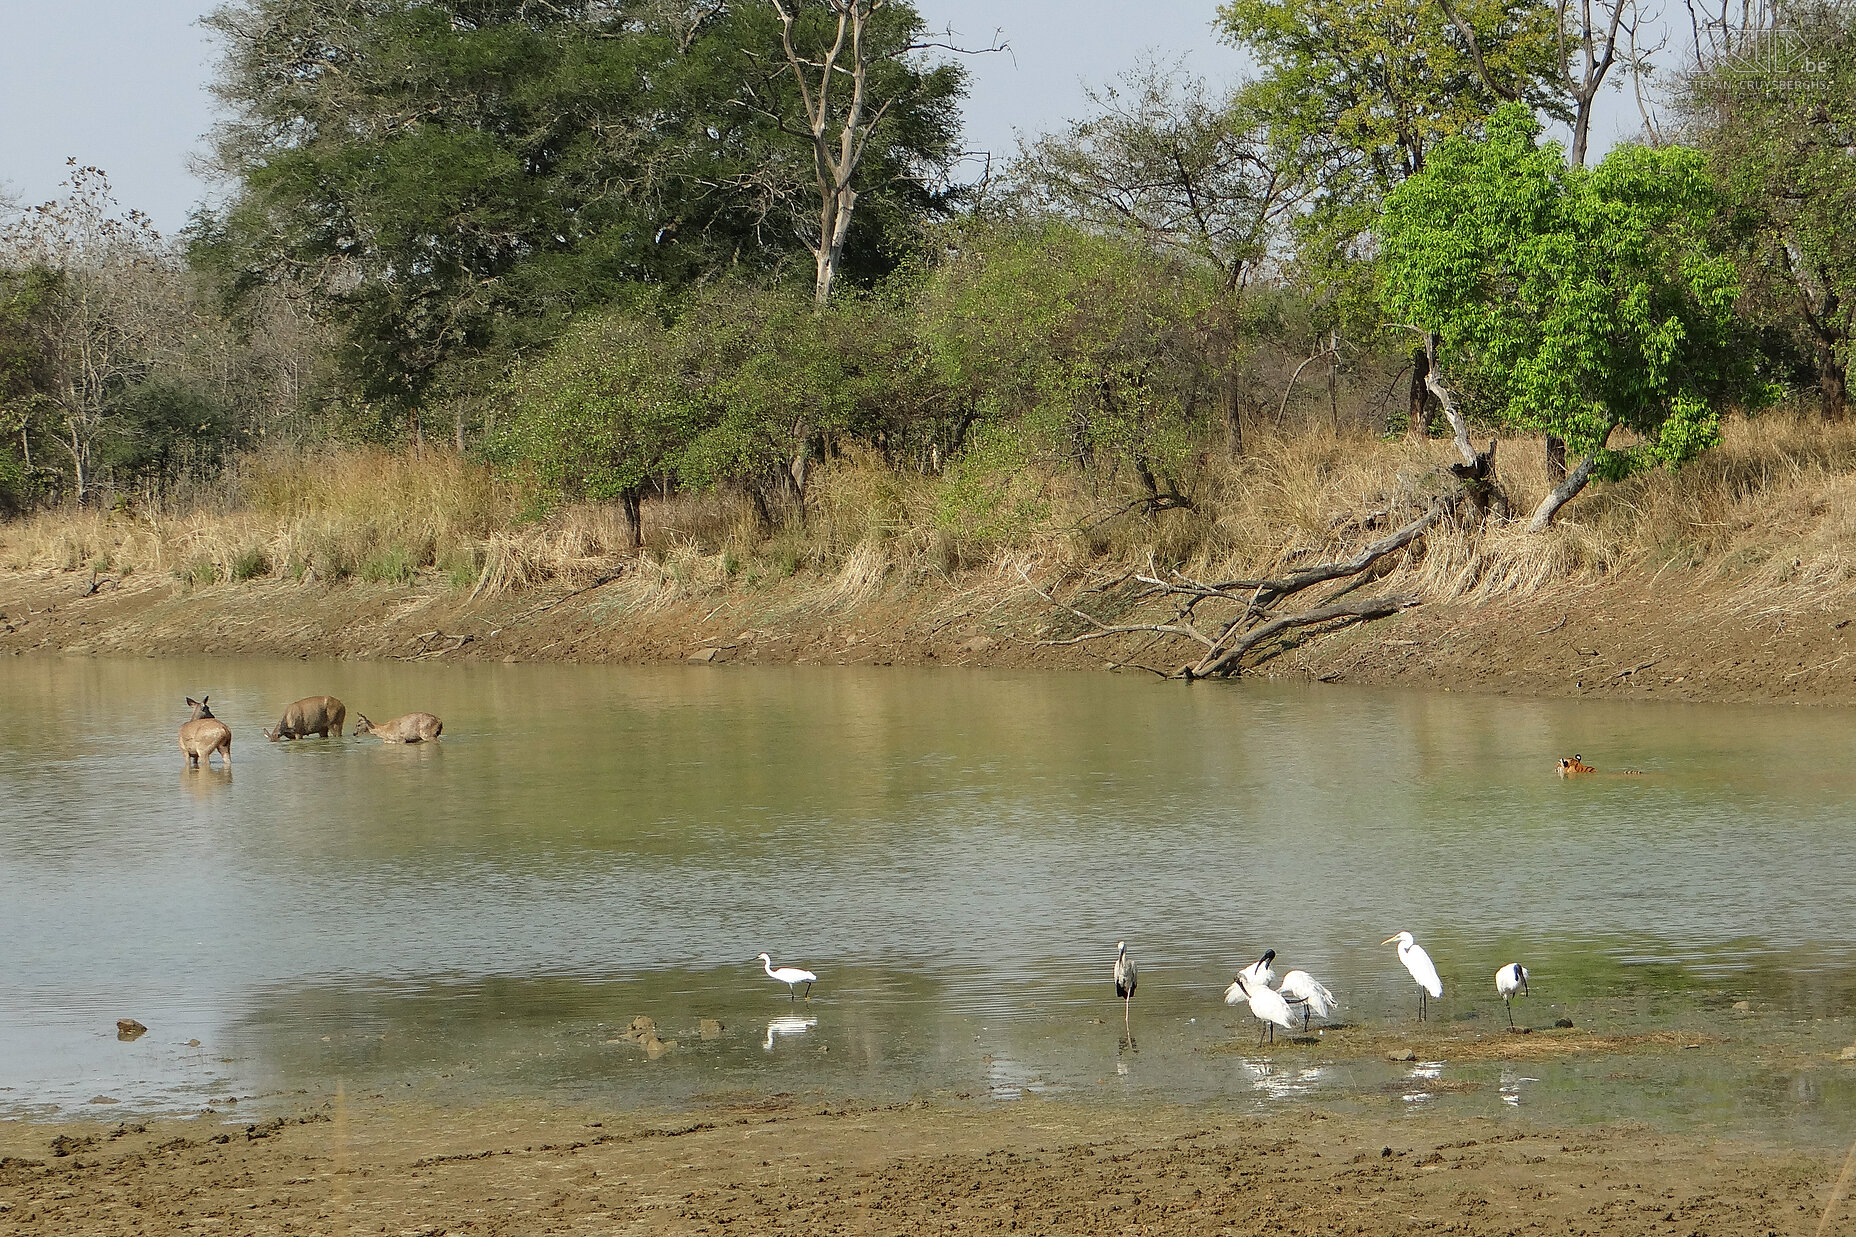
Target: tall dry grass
{"type": "Point", "coordinates": [1774, 508]}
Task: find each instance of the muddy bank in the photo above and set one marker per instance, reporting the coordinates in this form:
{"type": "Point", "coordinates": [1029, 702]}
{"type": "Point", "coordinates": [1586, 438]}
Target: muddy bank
{"type": "Point", "coordinates": [1626, 638]}
{"type": "Point", "coordinates": [805, 1166]}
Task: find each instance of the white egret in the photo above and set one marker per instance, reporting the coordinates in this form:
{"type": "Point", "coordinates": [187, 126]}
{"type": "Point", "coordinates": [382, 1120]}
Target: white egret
{"type": "Point", "coordinates": [1301, 988]}
{"type": "Point", "coordinates": [1419, 964]}
{"type": "Point", "coordinates": [1264, 1003]}
{"type": "Point", "coordinates": [1125, 979]}
{"type": "Point", "coordinates": [1508, 981]}
{"type": "Point", "coordinates": [1260, 971]}
{"type": "Point", "coordinates": [790, 975]}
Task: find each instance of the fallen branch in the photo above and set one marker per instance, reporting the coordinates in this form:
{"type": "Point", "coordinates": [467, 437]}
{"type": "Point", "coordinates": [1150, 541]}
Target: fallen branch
{"type": "Point", "coordinates": [1363, 608]}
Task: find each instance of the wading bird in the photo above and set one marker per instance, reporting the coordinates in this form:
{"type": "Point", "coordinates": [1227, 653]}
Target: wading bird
{"type": "Point", "coordinates": [790, 975]}
{"type": "Point", "coordinates": [1419, 964]}
{"type": "Point", "coordinates": [1125, 979]}
{"type": "Point", "coordinates": [1301, 988]}
{"type": "Point", "coordinates": [1264, 1003]}
{"type": "Point", "coordinates": [1259, 971]}
{"type": "Point", "coordinates": [1508, 980]}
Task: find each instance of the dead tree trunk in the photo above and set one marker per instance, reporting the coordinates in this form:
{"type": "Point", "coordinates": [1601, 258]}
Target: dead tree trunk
{"type": "Point", "coordinates": [1568, 489]}
{"type": "Point", "coordinates": [1228, 620]}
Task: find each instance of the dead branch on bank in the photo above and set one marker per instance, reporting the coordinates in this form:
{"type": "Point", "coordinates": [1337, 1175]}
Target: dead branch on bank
{"type": "Point", "coordinates": [1240, 616]}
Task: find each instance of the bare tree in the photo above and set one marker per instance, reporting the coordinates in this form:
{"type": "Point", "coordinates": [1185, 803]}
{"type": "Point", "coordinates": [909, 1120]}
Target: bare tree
{"type": "Point", "coordinates": [838, 137]}
{"type": "Point", "coordinates": [101, 323]}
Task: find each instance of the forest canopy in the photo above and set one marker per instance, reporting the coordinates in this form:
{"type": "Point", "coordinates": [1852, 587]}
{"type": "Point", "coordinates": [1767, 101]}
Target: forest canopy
{"type": "Point", "coordinates": [630, 249]}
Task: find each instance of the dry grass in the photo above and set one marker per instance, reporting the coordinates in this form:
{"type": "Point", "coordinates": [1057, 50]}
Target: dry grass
{"type": "Point", "coordinates": [1772, 511]}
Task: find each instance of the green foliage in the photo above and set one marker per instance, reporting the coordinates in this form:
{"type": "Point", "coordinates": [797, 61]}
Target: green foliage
{"type": "Point", "coordinates": [249, 564]}
{"type": "Point", "coordinates": [453, 179]}
{"type": "Point", "coordinates": [393, 565]}
{"type": "Point", "coordinates": [160, 429]}
{"type": "Point", "coordinates": [1582, 301]}
{"type": "Point", "coordinates": [1093, 348]}
{"type": "Point", "coordinates": [602, 413]}
{"type": "Point", "coordinates": [1362, 93]}
{"type": "Point", "coordinates": [1777, 141]}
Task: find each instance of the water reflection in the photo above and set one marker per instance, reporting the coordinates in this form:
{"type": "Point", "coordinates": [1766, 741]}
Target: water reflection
{"type": "Point", "coordinates": [789, 1025]}
{"type": "Point", "coordinates": [587, 845]}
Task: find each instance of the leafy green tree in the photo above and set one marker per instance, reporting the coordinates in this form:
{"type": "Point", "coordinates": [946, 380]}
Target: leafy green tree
{"type": "Point", "coordinates": [1583, 302]}
{"type": "Point", "coordinates": [1777, 139]}
{"type": "Point", "coordinates": [453, 179]}
{"type": "Point", "coordinates": [1165, 163]}
{"type": "Point", "coordinates": [1363, 91]}
{"type": "Point", "coordinates": [1088, 348]}
{"type": "Point", "coordinates": [601, 416]}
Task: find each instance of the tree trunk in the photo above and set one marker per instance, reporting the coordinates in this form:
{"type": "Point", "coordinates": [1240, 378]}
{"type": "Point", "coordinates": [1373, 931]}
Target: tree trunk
{"type": "Point", "coordinates": [1566, 490]}
{"type": "Point", "coordinates": [1833, 382]}
{"type": "Point", "coordinates": [1233, 419]}
{"type": "Point", "coordinates": [1419, 423]}
{"type": "Point", "coordinates": [80, 475]}
{"type": "Point", "coordinates": [1556, 459]}
{"type": "Point", "coordinates": [632, 501]}
{"type": "Point", "coordinates": [1433, 378]}
{"type": "Point", "coordinates": [458, 423]}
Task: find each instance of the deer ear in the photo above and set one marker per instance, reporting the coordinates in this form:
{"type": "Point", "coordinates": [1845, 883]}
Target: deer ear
{"type": "Point", "coordinates": [193, 702]}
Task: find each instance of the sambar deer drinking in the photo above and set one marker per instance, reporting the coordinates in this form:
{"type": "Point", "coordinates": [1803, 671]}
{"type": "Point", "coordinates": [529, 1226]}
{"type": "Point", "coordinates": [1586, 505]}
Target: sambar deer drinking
{"type": "Point", "coordinates": [319, 715]}
{"type": "Point", "coordinates": [412, 728]}
{"type": "Point", "coordinates": [203, 734]}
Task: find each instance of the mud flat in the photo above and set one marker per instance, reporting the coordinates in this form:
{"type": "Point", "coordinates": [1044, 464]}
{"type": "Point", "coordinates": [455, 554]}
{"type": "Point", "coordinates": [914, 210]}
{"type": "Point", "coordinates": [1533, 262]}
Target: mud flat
{"type": "Point", "coordinates": [794, 1165]}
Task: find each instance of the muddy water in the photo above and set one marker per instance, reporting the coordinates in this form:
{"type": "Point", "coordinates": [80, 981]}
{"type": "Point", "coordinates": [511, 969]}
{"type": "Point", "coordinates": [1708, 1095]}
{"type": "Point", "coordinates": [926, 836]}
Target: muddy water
{"type": "Point", "coordinates": [955, 853]}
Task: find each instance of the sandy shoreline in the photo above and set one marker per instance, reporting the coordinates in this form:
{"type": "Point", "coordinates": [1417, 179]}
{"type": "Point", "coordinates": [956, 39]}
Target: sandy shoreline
{"type": "Point", "coordinates": [792, 1165]}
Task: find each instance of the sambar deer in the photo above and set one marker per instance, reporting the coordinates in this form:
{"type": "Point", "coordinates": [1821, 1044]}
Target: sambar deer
{"type": "Point", "coordinates": [412, 728]}
{"type": "Point", "coordinates": [203, 734]}
{"type": "Point", "coordinates": [318, 715]}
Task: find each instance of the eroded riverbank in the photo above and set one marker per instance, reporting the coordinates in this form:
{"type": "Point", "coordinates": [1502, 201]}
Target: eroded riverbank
{"type": "Point", "coordinates": [1653, 638]}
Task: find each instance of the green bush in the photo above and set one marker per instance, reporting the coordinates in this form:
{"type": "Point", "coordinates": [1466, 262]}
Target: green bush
{"type": "Point", "coordinates": [394, 565]}
{"type": "Point", "coordinates": [250, 564]}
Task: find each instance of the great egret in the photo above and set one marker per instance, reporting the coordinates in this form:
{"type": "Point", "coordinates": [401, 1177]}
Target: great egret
{"type": "Point", "coordinates": [790, 975]}
{"type": "Point", "coordinates": [1264, 1003]}
{"type": "Point", "coordinates": [1125, 979]}
{"type": "Point", "coordinates": [1301, 988]}
{"type": "Point", "coordinates": [1419, 964]}
{"type": "Point", "coordinates": [1508, 980]}
{"type": "Point", "coordinates": [1260, 971]}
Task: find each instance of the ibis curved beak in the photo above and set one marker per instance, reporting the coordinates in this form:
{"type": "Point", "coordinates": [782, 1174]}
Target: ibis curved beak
{"type": "Point", "coordinates": [1389, 940]}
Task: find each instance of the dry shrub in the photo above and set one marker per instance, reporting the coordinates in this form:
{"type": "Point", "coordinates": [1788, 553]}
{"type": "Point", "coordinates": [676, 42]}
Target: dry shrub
{"type": "Point", "coordinates": [1773, 509]}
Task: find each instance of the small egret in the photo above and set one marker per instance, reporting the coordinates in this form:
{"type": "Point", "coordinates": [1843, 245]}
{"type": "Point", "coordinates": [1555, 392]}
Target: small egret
{"type": "Point", "coordinates": [790, 975]}
{"type": "Point", "coordinates": [1125, 979]}
{"type": "Point", "coordinates": [1259, 971]}
{"type": "Point", "coordinates": [1301, 988]}
{"type": "Point", "coordinates": [1419, 964]}
{"type": "Point", "coordinates": [1264, 1003]}
{"type": "Point", "coordinates": [1508, 980]}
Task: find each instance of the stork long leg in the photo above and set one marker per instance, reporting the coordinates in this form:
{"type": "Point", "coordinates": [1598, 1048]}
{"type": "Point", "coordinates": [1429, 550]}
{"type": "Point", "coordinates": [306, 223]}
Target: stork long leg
{"type": "Point", "coordinates": [789, 993]}
{"type": "Point", "coordinates": [808, 992]}
{"type": "Point", "coordinates": [1510, 1004]}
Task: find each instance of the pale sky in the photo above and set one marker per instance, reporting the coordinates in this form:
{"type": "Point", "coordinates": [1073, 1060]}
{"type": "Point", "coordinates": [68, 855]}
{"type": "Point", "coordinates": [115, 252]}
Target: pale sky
{"type": "Point", "coordinates": [122, 83]}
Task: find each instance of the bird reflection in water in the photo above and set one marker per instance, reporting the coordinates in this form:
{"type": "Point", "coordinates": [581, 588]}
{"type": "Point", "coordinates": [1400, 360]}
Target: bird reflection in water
{"type": "Point", "coordinates": [788, 1025]}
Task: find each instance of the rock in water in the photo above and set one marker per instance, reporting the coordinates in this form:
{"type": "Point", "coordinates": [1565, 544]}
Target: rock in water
{"type": "Point", "coordinates": [711, 1028]}
{"type": "Point", "coordinates": [129, 1029]}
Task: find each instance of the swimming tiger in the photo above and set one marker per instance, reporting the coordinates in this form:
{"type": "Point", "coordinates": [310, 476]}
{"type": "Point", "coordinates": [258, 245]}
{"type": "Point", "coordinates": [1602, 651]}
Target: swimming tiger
{"type": "Point", "coordinates": [1568, 768]}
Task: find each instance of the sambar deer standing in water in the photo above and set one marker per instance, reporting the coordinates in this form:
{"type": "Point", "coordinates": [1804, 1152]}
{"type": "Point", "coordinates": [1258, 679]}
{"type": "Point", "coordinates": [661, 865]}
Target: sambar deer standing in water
{"type": "Point", "coordinates": [320, 715]}
{"type": "Point", "coordinates": [204, 734]}
{"type": "Point", "coordinates": [412, 728]}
